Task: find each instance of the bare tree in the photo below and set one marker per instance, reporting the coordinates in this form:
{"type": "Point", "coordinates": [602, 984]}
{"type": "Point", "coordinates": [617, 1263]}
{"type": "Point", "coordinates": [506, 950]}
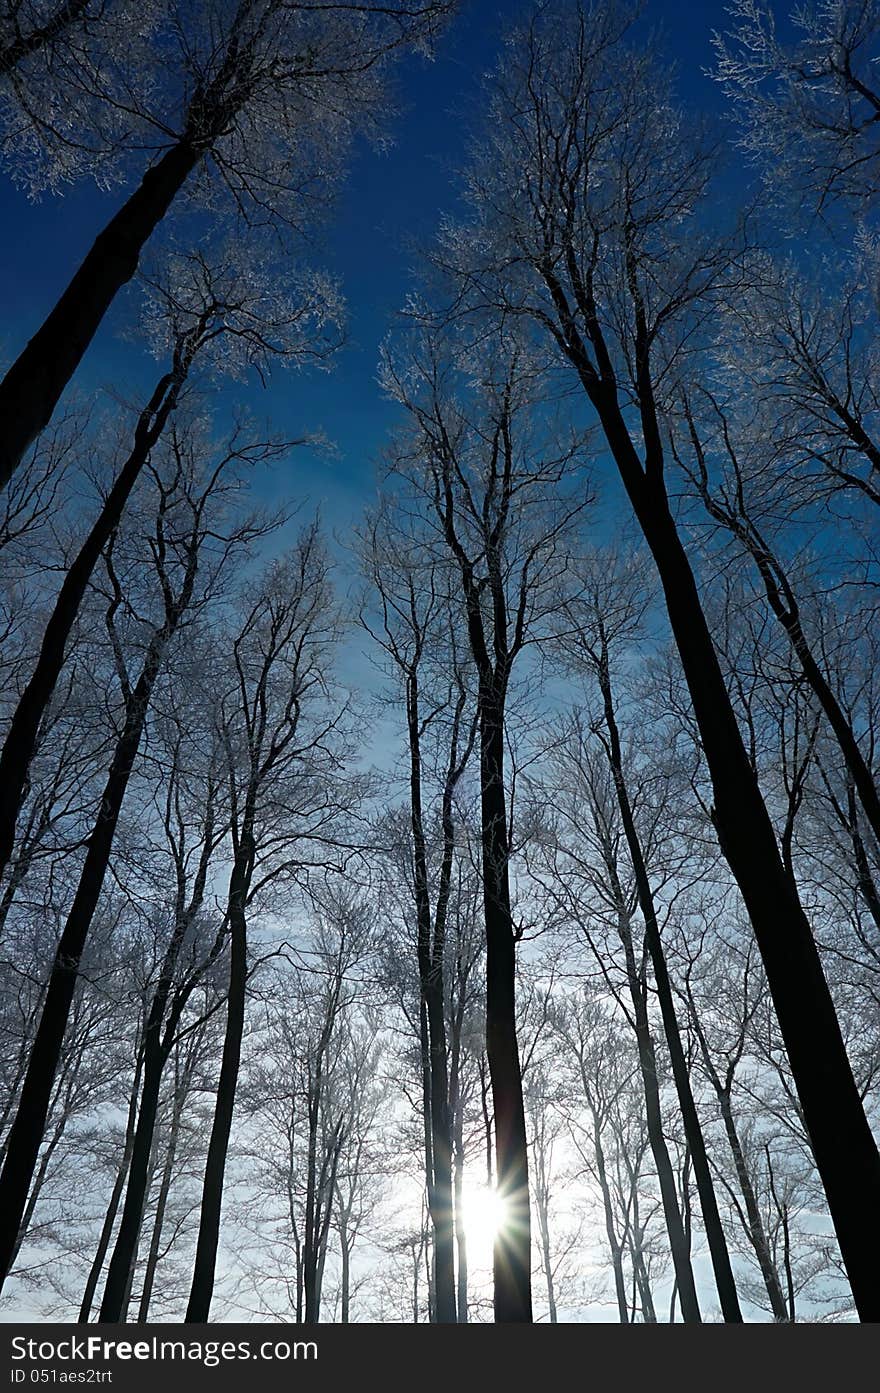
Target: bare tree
{"type": "Point", "coordinates": [187, 534]}
{"type": "Point", "coordinates": [721, 1075]}
{"type": "Point", "coordinates": [260, 97]}
{"type": "Point", "coordinates": [415, 626]}
{"type": "Point", "coordinates": [209, 310]}
{"type": "Point", "coordinates": [728, 504]}
{"type": "Point", "coordinates": [606, 1125]}
{"type": "Point", "coordinates": [284, 739]}
{"type": "Point", "coordinates": [194, 823]}
{"type": "Point", "coordinates": [587, 196]}
{"type": "Point", "coordinates": [611, 610]}
{"type": "Point", "coordinates": [359, 1172]}
{"type": "Point", "coordinates": [503, 502]}
{"type": "Point", "coordinates": [592, 887]}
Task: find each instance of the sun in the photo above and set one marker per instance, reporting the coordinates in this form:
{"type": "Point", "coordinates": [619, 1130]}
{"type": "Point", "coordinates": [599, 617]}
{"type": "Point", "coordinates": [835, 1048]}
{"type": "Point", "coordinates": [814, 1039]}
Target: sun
{"type": "Point", "coordinates": [485, 1214]}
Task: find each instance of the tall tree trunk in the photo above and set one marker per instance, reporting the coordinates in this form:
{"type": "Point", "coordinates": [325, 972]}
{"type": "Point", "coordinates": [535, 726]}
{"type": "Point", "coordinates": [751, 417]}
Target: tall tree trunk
{"type": "Point", "coordinates": [756, 1232]}
{"type": "Point", "coordinates": [461, 1293]}
{"type": "Point", "coordinates": [721, 1266]}
{"type": "Point", "coordinates": [610, 1226]}
{"type": "Point", "coordinates": [326, 1191]}
{"type": "Point", "coordinates": [678, 1244]}
{"type": "Point", "coordinates": [165, 1187]}
{"type": "Point", "coordinates": [30, 1120]}
{"type": "Point", "coordinates": [485, 1085]}
{"type": "Point", "coordinates": [22, 735]}
{"type": "Point", "coordinates": [844, 1148]}
{"type": "Point", "coordinates": [132, 1270]}
{"type": "Point", "coordinates": [31, 389]}
{"type": "Point", "coordinates": [430, 952]}
{"type": "Point", "coordinates": [125, 1249]}
{"type": "Point", "coordinates": [640, 1272]}
{"type": "Point", "coordinates": [344, 1276]}
{"type": "Point", "coordinates": [512, 1251]}
{"type": "Point", "coordinates": [205, 1264]}
{"type": "Point", "coordinates": [457, 1120]}
{"type": "Point", "coordinates": [417, 1264]}
{"type": "Point", "coordinates": [112, 1210]}
{"type": "Point", "coordinates": [158, 1043]}
{"type": "Point", "coordinates": [543, 1213]}
{"type": "Point", "coordinates": [310, 1237]}
{"type": "Point", "coordinates": [440, 1195]}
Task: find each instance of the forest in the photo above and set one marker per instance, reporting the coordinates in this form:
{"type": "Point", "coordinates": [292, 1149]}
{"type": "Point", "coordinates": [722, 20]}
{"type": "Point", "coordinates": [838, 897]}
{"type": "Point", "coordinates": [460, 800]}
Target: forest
{"type": "Point", "coordinates": [456, 897]}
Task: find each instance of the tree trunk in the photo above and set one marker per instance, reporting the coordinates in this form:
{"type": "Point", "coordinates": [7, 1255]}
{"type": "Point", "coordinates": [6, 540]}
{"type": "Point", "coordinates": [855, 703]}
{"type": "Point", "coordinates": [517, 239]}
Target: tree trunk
{"type": "Point", "coordinates": [754, 1227]}
{"type": "Point", "coordinates": [512, 1252]}
{"type": "Point", "coordinates": [844, 1148]}
{"type": "Point", "coordinates": [202, 1287]}
{"type": "Point", "coordinates": [157, 1048]}
{"type": "Point", "coordinates": [30, 1120]}
{"type": "Point", "coordinates": [610, 1227]}
{"type": "Point", "coordinates": [125, 1248]}
{"type": "Point", "coordinates": [32, 387]}
{"type": "Point", "coordinates": [440, 1196]}
{"type": "Point", "coordinates": [159, 1218]}
{"type": "Point", "coordinates": [91, 1286]}
{"type": "Point", "coordinates": [345, 1276]}
{"type": "Point", "coordinates": [438, 1145]}
{"type": "Point", "coordinates": [541, 1205]}
{"type": "Point", "coordinates": [640, 1272]}
{"type": "Point", "coordinates": [460, 1240]}
{"type": "Point", "coordinates": [756, 1232]}
{"type": "Point", "coordinates": [310, 1239]}
{"type": "Point", "coordinates": [22, 735]}
{"type": "Point", "coordinates": [721, 1267]}
{"type": "Point", "coordinates": [678, 1244]}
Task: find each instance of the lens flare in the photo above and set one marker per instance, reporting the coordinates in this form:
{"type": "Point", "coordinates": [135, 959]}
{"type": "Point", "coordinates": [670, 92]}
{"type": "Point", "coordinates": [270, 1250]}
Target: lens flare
{"type": "Point", "coordinates": [485, 1215]}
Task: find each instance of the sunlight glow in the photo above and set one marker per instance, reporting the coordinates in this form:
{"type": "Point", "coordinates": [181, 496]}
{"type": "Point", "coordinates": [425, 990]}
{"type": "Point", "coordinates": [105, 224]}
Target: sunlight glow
{"type": "Point", "coordinates": [485, 1214]}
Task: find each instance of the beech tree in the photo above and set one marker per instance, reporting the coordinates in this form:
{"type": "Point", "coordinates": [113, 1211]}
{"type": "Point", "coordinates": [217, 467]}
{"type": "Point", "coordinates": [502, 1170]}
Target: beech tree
{"type": "Point", "coordinates": [284, 734]}
{"type": "Point", "coordinates": [599, 893]}
{"type": "Point", "coordinates": [183, 540]}
{"type": "Point", "coordinates": [414, 625]}
{"type": "Point", "coordinates": [721, 1075]}
{"type": "Point", "coordinates": [204, 309]}
{"type": "Point", "coordinates": [475, 916]}
{"type": "Point", "coordinates": [360, 1166]}
{"type": "Point", "coordinates": [194, 821]}
{"type": "Point", "coordinates": [605, 1119]}
{"type": "Point", "coordinates": [306, 1104]}
{"type": "Point", "coordinates": [611, 612]}
{"type": "Point", "coordinates": [502, 501]}
{"type": "Point", "coordinates": [588, 199]}
{"type": "Point", "coordinates": [258, 97]}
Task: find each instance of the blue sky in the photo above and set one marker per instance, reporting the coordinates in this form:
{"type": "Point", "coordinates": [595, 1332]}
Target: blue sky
{"type": "Point", "coordinates": [389, 200]}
